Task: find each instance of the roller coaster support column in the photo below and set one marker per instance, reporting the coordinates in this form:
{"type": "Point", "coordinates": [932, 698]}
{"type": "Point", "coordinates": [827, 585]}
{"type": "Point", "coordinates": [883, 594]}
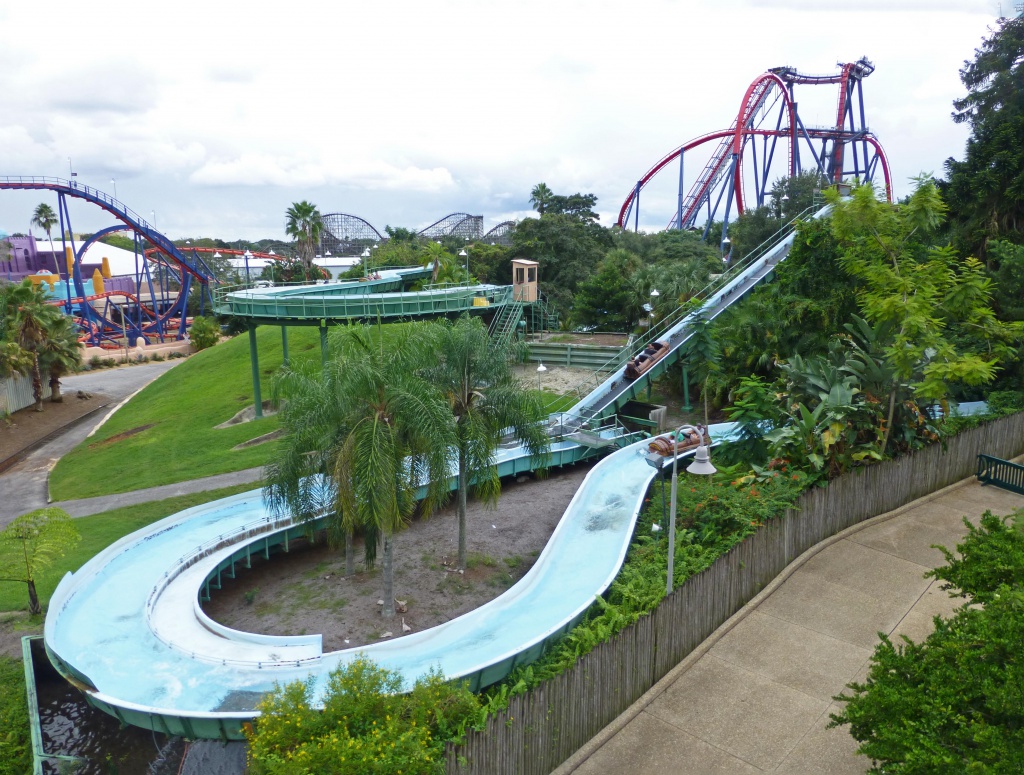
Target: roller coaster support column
{"type": "Point", "coordinates": [733, 172]}
{"type": "Point", "coordinates": [636, 208]}
{"type": "Point", "coordinates": [254, 361]}
{"type": "Point", "coordinates": [682, 193]}
{"type": "Point", "coordinates": [284, 346]}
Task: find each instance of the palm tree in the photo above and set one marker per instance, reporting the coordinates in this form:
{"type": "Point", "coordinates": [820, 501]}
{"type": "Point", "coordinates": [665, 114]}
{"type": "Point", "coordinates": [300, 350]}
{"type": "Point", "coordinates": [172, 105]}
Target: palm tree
{"type": "Point", "coordinates": [30, 318]}
{"type": "Point", "coordinates": [541, 197]}
{"type": "Point", "coordinates": [304, 223]}
{"type": "Point", "coordinates": [59, 353]}
{"type": "Point", "coordinates": [361, 438]}
{"type": "Point", "coordinates": [436, 254]}
{"type": "Point", "coordinates": [45, 218]}
{"type": "Point", "coordinates": [489, 406]}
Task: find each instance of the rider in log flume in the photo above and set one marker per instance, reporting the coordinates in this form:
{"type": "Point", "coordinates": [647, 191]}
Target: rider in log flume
{"type": "Point", "coordinates": [654, 352]}
{"type": "Point", "coordinates": [662, 445]}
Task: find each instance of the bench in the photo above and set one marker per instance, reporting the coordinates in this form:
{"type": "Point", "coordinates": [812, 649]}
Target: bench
{"type": "Point", "coordinates": [1001, 473]}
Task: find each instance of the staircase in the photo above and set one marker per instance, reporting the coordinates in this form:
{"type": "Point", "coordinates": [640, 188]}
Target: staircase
{"type": "Point", "coordinates": [503, 327]}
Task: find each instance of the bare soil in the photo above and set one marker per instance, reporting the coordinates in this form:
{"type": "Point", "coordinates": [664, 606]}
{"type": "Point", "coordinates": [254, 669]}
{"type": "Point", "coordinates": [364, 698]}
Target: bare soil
{"type": "Point", "coordinates": [306, 592]}
{"type": "Point", "coordinates": [27, 427]}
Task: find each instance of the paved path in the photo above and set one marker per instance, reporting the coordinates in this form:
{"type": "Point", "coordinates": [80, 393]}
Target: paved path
{"type": "Point", "coordinates": [87, 506]}
{"type": "Point", "coordinates": [756, 696]}
{"type": "Point", "coordinates": [24, 484]}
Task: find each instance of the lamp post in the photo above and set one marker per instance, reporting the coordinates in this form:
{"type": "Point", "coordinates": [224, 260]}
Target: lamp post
{"type": "Point", "coordinates": [114, 181]}
{"type": "Point", "coordinates": [540, 370]}
{"type": "Point", "coordinates": [465, 255]}
{"type": "Point", "coordinates": [726, 250]}
{"type": "Point", "coordinates": [654, 300]}
{"type": "Point", "coordinates": [366, 257]}
{"type": "Point", "coordinates": [701, 465]}
{"type": "Point", "coordinates": [247, 255]}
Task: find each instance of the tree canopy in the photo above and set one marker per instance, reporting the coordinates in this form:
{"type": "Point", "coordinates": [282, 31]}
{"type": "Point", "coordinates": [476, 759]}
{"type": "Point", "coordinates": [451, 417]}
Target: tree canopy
{"type": "Point", "coordinates": [985, 189]}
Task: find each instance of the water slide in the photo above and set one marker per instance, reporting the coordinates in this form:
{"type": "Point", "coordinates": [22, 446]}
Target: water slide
{"type": "Point", "coordinates": [129, 630]}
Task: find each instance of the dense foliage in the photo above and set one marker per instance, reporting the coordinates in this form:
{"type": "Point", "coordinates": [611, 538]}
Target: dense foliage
{"type": "Point", "coordinates": [985, 189]}
{"type": "Point", "coordinates": [955, 702]}
{"type": "Point", "coordinates": [15, 744]}
{"type": "Point", "coordinates": [366, 726]}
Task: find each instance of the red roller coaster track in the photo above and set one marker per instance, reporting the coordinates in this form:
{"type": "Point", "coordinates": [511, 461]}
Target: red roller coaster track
{"type": "Point", "coordinates": [768, 112]}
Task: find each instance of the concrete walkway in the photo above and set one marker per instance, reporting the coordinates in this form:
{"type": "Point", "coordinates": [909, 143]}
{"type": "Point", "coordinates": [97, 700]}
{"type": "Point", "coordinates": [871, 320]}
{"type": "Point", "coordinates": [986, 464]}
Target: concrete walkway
{"type": "Point", "coordinates": [756, 696]}
{"type": "Point", "coordinates": [86, 506]}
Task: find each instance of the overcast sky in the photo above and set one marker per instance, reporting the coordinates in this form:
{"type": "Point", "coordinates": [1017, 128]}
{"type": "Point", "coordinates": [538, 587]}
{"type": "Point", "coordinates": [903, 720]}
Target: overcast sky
{"type": "Point", "coordinates": [216, 116]}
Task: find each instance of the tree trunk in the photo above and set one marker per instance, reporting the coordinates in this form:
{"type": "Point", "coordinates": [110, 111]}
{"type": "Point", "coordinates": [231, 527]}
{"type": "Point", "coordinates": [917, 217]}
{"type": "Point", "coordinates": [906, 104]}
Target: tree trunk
{"type": "Point", "coordinates": [33, 599]}
{"type": "Point", "coordinates": [888, 422]}
{"type": "Point", "coordinates": [462, 512]}
{"type": "Point", "coordinates": [388, 572]}
{"type": "Point", "coordinates": [37, 383]}
{"type": "Point", "coordinates": [55, 395]}
{"type": "Point", "coordinates": [350, 554]}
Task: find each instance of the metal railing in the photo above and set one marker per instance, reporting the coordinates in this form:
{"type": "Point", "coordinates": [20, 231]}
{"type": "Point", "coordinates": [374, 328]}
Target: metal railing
{"type": "Point", "coordinates": [1001, 473]}
{"type": "Point", "coordinates": [456, 298]}
{"type": "Point", "coordinates": [676, 316]}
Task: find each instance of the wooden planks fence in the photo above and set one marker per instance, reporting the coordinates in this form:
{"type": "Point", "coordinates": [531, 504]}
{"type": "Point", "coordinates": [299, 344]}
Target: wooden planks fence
{"type": "Point", "coordinates": [544, 727]}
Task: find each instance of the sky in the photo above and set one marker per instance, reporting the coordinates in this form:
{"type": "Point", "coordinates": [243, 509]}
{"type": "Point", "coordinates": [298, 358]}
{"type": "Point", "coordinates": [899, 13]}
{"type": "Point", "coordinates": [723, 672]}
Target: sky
{"type": "Point", "coordinates": [210, 118]}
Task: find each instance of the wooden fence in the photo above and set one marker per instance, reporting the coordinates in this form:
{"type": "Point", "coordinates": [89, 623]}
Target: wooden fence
{"type": "Point", "coordinates": [544, 727]}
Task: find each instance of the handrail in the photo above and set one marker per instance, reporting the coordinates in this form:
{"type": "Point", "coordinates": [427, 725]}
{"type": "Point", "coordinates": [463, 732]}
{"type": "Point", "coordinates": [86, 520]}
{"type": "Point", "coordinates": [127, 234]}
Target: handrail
{"type": "Point", "coordinates": [676, 315]}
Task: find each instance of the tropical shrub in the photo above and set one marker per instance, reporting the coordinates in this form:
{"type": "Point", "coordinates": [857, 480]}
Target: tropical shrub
{"type": "Point", "coordinates": [366, 726]}
{"type": "Point", "coordinates": [955, 702]}
{"type": "Point", "coordinates": [203, 333]}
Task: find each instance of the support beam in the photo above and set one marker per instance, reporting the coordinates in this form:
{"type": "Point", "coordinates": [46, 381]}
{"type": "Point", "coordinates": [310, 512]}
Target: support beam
{"type": "Point", "coordinates": [254, 361]}
{"type": "Point", "coordinates": [284, 345]}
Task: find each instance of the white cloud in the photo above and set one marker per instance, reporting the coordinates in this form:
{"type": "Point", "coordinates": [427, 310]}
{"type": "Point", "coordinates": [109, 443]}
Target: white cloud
{"type": "Point", "coordinates": [401, 112]}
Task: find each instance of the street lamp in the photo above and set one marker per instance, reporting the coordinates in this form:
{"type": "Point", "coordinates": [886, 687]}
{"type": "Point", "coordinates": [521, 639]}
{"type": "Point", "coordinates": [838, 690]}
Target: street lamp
{"type": "Point", "coordinates": [726, 250]}
{"type": "Point", "coordinates": [465, 255]}
{"type": "Point", "coordinates": [114, 181]}
{"type": "Point", "coordinates": [540, 370]}
{"type": "Point", "coordinates": [654, 299]}
{"type": "Point", "coordinates": [701, 465]}
{"type": "Point", "coordinates": [366, 257]}
{"type": "Point", "coordinates": [247, 255]}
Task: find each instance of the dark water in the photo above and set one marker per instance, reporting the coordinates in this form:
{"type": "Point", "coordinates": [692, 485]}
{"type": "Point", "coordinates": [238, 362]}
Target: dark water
{"type": "Point", "coordinates": [72, 727]}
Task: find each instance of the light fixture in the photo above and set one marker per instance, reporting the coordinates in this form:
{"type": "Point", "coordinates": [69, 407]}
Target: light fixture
{"type": "Point", "coordinates": [655, 293]}
{"type": "Point", "coordinates": [217, 255]}
{"type": "Point", "coordinates": [366, 255]}
{"type": "Point", "coordinates": [272, 253]}
{"type": "Point", "coordinates": [328, 254]}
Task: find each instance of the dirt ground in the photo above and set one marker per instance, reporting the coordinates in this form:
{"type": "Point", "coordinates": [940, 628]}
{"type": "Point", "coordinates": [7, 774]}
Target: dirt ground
{"type": "Point", "coordinates": [27, 426]}
{"type": "Point", "coordinates": [306, 592]}
{"type": "Point", "coordinates": [557, 379]}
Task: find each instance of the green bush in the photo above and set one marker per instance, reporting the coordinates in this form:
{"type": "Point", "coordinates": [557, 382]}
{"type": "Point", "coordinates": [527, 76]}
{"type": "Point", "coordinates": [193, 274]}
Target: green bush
{"type": "Point", "coordinates": [15, 742]}
{"type": "Point", "coordinates": [203, 333]}
{"type": "Point", "coordinates": [954, 703]}
{"type": "Point", "coordinates": [366, 726]}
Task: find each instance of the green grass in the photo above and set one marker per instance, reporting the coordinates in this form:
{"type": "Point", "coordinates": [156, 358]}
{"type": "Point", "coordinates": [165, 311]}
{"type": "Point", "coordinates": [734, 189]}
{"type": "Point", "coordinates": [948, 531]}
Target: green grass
{"type": "Point", "coordinates": [554, 402]}
{"type": "Point", "coordinates": [98, 532]}
{"type": "Point", "coordinates": [183, 407]}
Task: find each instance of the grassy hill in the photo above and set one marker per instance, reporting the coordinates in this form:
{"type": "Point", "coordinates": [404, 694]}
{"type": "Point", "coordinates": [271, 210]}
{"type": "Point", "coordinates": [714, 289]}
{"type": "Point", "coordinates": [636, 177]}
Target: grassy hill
{"type": "Point", "coordinates": [167, 432]}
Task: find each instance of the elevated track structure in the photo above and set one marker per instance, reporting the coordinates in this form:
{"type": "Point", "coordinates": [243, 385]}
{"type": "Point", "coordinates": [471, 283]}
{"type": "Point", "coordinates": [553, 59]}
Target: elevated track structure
{"type": "Point", "coordinates": [157, 310]}
{"type": "Point", "coordinates": [767, 139]}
